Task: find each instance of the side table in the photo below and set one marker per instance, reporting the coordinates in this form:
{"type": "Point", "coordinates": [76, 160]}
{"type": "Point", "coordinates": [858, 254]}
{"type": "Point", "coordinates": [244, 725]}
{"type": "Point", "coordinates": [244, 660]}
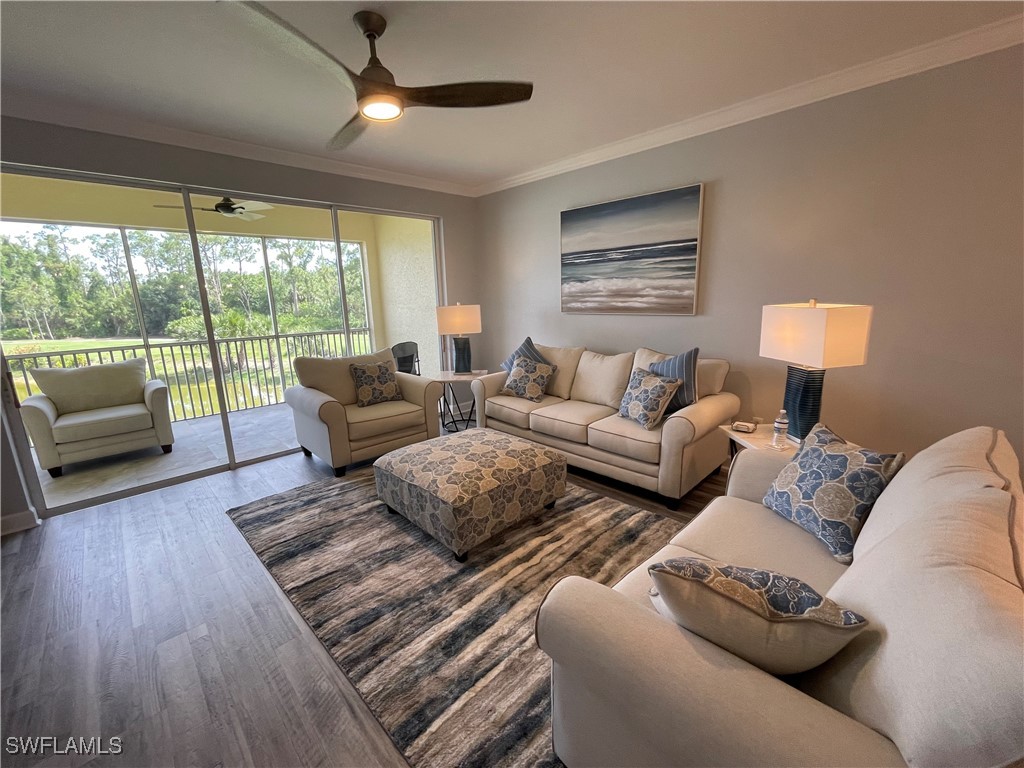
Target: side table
{"type": "Point", "coordinates": [448, 418]}
{"type": "Point", "coordinates": [760, 440]}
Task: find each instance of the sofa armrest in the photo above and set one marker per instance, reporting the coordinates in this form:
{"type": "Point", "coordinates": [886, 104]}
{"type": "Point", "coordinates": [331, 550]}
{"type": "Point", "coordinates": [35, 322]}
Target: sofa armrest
{"type": "Point", "coordinates": [682, 700]}
{"type": "Point", "coordinates": [753, 472]}
{"type": "Point", "coordinates": [158, 402]}
{"type": "Point", "coordinates": [483, 388]}
{"type": "Point", "coordinates": [425, 393]}
{"type": "Point", "coordinates": [690, 424]}
{"type": "Point", "coordinates": [39, 415]}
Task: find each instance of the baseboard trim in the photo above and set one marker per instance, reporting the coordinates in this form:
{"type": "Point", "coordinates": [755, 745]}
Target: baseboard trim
{"type": "Point", "coordinates": [19, 521]}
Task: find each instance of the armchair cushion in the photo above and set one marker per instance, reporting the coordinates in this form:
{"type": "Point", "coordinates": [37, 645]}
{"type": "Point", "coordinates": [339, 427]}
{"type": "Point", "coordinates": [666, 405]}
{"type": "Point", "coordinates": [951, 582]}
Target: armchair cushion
{"type": "Point", "coordinates": [101, 422]}
{"type": "Point", "coordinates": [375, 383]}
{"type": "Point", "coordinates": [94, 386]}
{"type": "Point", "coordinates": [774, 621]}
{"type": "Point", "coordinates": [382, 419]}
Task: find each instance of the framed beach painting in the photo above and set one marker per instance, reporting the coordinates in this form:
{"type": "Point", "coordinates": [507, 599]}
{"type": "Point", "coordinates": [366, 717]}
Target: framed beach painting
{"type": "Point", "coordinates": [637, 256]}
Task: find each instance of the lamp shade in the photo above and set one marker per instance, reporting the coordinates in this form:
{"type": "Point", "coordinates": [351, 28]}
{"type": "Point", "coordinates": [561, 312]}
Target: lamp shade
{"type": "Point", "coordinates": [458, 319]}
{"type": "Point", "coordinates": [816, 335]}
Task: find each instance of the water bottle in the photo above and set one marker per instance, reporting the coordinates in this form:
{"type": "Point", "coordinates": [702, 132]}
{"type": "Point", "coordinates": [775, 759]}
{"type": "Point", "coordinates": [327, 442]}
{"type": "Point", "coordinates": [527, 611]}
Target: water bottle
{"type": "Point", "coordinates": [781, 430]}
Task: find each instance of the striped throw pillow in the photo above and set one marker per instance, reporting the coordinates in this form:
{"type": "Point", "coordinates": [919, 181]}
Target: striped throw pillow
{"type": "Point", "coordinates": [684, 368]}
{"type": "Point", "coordinates": [527, 350]}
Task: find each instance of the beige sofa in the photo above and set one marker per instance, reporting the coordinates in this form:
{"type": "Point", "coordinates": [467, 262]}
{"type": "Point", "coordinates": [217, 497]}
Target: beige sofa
{"type": "Point", "coordinates": [579, 417]}
{"type": "Point", "coordinates": [95, 411]}
{"type": "Point", "coordinates": [329, 424]}
{"type": "Point", "coordinates": [937, 678]}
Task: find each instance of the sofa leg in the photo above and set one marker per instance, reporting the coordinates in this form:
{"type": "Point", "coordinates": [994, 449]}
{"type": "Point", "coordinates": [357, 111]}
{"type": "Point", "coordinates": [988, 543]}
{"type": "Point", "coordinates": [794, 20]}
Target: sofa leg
{"type": "Point", "coordinates": [166, 448]}
{"type": "Point", "coordinates": [56, 471]}
{"type": "Point", "coordinates": [306, 452]}
{"type": "Point", "coordinates": [339, 471]}
{"type": "Point", "coordinates": [673, 504]}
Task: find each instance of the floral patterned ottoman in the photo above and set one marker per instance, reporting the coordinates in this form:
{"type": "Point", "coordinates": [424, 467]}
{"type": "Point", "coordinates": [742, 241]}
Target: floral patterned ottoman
{"type": "Point", "coordinates": [466, 487]}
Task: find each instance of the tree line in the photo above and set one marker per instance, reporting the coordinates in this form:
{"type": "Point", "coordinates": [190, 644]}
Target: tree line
{"type": "Point", "coordinates": [71, 282]}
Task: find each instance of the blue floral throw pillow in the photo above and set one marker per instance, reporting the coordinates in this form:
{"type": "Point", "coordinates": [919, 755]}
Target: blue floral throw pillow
{"type": "Point", "coordinates": [647, 397]}
{"type": "Point", "coordinates": [777, 622]}
{"type": "Point", "coordinates": [528, 379]}
{"type": "Point", "coordinates": [375, 383]}
{"type": "Point", "coordinates": [830, 486]}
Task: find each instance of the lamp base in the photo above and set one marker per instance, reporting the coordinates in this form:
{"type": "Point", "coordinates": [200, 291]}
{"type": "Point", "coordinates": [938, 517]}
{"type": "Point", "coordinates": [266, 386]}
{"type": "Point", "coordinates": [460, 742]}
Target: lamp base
{"type": "Point", "coordinates": [803, 399]}
{"type": "Point", "coordinates": [463, 356]}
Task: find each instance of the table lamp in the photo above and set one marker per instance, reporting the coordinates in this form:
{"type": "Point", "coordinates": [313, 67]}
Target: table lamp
{"type": "Point", "coordinates": [812, 337]}
{"type": "Point", "coordinates": [456, 321]}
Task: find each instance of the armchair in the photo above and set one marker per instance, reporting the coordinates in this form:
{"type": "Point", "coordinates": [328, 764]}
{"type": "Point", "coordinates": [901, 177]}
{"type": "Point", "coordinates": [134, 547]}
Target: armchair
{"type": "Point", "coordinates": [330, 425]}
{"type": "Point", "coordinates": [96, 411]}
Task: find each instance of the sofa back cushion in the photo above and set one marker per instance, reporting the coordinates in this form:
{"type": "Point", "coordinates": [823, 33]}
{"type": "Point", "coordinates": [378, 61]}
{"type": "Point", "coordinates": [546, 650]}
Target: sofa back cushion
{"type": "Point", "coordinates": [332, 375]}
{"type": "Point", "coordinates": [565, 361]}
{"type": "Point", "coordinates": [939, 669]}
{"type": "Point", "coordinates": [711, 373]}
{"type": "Point", "coordinates": [602, 379]}
{"type": "Point", "coordinates": [94, 386]}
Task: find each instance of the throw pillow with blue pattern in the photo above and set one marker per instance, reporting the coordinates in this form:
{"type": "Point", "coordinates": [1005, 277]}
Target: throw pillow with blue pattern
{"type": "Point", "coordinates": [684, 368]}
{"type": "Point", "coordinates": [647, 397]}
{"type": "Point", "coordinates": [776, 622]}
{"type": "Point", "coordinates": [528, 379]}
{"type": "Point", "coordinates": [375, 383]}
{"type": "Point", "coordinates": [528, 350]}
{"type": "Point", "coordinates": [830, 486]}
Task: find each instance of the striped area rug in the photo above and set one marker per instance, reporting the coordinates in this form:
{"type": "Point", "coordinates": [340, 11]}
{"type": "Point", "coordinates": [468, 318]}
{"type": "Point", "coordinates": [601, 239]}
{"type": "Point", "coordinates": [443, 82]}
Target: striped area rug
{"type": "Point", "coordinates": [443, 653]}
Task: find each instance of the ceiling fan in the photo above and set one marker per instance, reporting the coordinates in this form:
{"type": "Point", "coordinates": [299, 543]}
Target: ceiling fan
{"type": "Point", "coordinates": [233, 210]}
{"type": "Point", "coordinates": [378, 97]}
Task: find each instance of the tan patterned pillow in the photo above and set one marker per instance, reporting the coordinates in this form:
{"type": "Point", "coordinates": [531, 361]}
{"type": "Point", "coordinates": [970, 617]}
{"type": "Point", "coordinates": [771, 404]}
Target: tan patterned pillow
{"type": "Point", "coordinates": [528, 378]}
{"type": "Point", "coordinates": [375, 383]}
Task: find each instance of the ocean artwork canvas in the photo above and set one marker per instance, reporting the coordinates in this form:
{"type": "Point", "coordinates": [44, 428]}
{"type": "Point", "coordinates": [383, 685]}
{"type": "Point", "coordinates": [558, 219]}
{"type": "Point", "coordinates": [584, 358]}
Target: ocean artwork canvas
{"type": "Point", "coordinates": [634, 256]}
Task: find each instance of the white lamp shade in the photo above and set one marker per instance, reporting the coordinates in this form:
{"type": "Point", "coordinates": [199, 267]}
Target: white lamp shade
{"type": "Point", "coordinates": [458, 319]}
{"type": "Point", "coordinates": [816, 335]}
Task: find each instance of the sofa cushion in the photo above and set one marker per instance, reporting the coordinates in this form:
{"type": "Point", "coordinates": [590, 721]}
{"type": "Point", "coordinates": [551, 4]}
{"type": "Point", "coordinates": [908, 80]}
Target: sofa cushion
{"type": "Point", "coordinates": [682, 367]}
{"type": "Point", "coordinates": [747, 533]}
{"type": "Point", "coordinates": [375, 383]}
{"type": "Point", "coordinates": [528, 350]}
{"type": "Point", "coordinates": [829, 487]}
{"type": "Point", "coordinates": [646, 398]}
{"type": "Point", "coordinates": [568, 420]}
{"type": "Point", "coordinates": [516, 410]}
{"type": "Point", "coordinates": [94, 386]}
{"type": "Point", "coordinates": [331, 375]}
{"type": "Point", "coordinates": [711, 373]}
{"type": "Point", "coordinates": [624, 436]}
{"type": "Point", "coordinates": [528, 378]}
{"type": "Point", "coordinates": [602, 379]}
{"type": "Point", "coordinates": [101, 422]}
{"type": "Point", "coordinates": [772, 620]}
{"type": "Point", "coordinates": [939, 670]}
{"type": "Point", "coordinates": [566, 360]}
{"type": "Point", "coordinates": [382, 418]}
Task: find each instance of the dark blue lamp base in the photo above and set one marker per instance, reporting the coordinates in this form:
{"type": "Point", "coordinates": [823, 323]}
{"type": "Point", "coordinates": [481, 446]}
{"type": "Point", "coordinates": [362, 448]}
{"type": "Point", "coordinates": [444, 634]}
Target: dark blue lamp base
{"type": "Point", "coordinates": [463, 356]}
{"type": "Point", "coordinates": [803, 399]}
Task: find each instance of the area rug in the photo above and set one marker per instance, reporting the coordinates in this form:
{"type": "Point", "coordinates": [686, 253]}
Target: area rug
{"type": "Point", "coordinates": [443, 653]}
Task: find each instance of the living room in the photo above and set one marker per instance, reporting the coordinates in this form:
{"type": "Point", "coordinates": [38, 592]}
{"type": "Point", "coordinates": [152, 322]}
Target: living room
{"type": "Point", "coordinates": [863, 173]}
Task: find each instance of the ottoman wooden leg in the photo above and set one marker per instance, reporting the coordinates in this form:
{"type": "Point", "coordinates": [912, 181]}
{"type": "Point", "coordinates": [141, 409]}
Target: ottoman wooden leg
{"type": "Point", "coordinates": [550, 504]}
{"type": "Point", "coordinates": [461, 558]}
{"type": "Point", "coordinates": [392, 510]}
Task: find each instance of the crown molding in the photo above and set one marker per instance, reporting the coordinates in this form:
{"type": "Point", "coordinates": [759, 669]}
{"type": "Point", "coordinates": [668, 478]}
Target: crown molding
{"type": "Point", "coordinates": [32, 106]}
{"type": "Point", "coordinates": [996, 36]}
{"type": "Point", "coordinates": [989, 38]}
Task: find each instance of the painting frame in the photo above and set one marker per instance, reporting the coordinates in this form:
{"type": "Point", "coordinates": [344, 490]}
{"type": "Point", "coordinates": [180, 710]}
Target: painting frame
{"type": "Point", "coordinates": [637, 255]}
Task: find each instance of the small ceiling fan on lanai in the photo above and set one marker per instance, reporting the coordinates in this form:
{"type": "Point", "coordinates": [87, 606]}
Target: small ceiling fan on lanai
{"type": "Point", "coordinates": [378, 97]}
{"type": "Point", "coordinates": [242, 209]}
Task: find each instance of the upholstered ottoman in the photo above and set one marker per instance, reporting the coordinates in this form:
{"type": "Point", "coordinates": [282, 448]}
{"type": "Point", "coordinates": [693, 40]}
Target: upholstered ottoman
{"type": "Point", "coordinates": [464, 488]}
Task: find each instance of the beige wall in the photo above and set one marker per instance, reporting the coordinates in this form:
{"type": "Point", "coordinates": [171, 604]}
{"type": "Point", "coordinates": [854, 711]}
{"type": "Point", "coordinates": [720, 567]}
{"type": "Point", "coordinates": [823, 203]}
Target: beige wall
{"type": "Point", "coordinates": [906, 196]}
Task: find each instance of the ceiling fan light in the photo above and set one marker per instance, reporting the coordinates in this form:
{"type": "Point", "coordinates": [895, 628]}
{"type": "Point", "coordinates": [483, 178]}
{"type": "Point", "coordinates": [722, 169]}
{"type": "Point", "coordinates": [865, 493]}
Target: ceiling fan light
{"type": "Point", "coordinates": [380, 107]}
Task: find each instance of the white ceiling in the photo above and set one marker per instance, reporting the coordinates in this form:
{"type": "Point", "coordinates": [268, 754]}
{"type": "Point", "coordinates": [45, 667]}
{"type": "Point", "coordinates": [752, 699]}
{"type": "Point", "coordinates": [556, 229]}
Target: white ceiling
{"type": "Point", "coordinates": [610, 77]}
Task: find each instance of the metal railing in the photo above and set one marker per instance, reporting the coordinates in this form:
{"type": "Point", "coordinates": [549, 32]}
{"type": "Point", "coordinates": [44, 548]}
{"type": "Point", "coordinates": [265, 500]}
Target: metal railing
{"type": "Point", "coordinates": [257, 369]}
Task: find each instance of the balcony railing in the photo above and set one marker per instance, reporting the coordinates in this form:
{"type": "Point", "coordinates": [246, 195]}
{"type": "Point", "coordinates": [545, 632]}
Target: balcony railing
{"type": "Point", "coordinates": [257, 369]}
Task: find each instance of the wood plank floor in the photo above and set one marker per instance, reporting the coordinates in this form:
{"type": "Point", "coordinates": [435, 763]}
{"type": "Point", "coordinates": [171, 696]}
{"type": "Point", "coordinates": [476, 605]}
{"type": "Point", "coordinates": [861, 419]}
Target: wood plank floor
{"type": "Point", "coordinates": [152, 620]}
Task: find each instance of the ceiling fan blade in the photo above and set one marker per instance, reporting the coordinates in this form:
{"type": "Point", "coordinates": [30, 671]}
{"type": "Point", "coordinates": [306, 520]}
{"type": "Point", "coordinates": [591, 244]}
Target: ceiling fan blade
{"type": "Point", "coordinates": [246, 216]}
{"type": "Point", "coordinates": [485, 94]}
{"type": "Point", "coordinates": [291, 39]}
{"type": "Point", "coordinates": [179, 207]}
{"type": "Point", "coordinates": [349, 132]}
{"type": "Point", "coordinates": [252, 205]}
